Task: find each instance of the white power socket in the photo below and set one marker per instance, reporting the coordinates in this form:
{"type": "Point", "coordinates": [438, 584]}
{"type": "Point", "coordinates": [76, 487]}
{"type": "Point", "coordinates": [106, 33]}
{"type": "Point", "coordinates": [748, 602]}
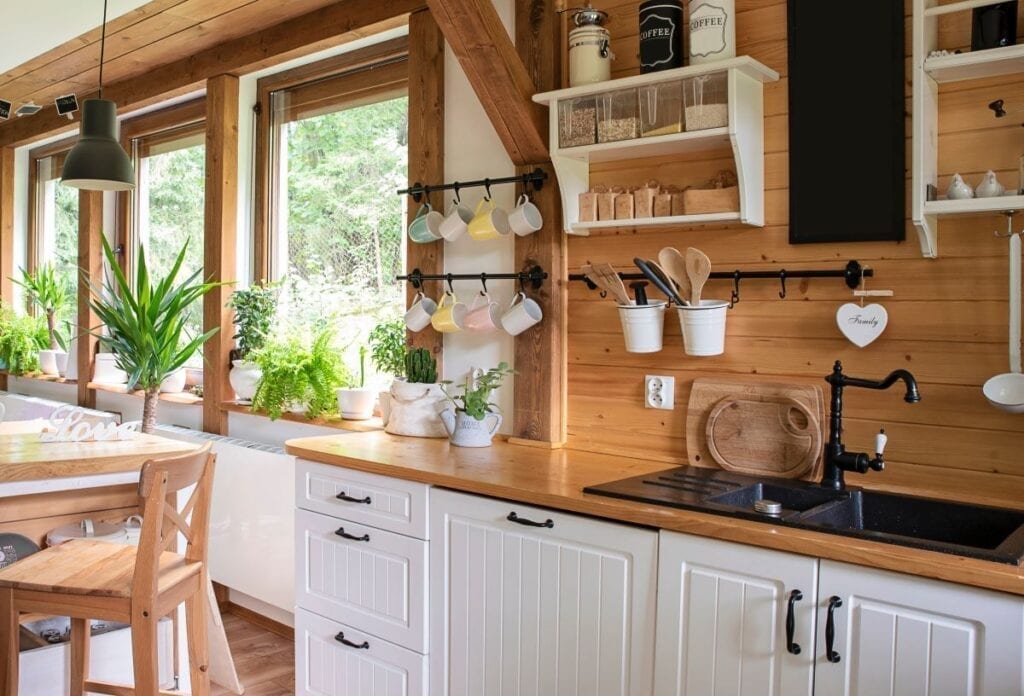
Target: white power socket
{"type": "Point", "coordinates": [659, 392]}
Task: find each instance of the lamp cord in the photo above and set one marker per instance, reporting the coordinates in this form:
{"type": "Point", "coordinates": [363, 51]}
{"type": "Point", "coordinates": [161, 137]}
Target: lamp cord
{"type": "Point", "coordinates": [103, 45]}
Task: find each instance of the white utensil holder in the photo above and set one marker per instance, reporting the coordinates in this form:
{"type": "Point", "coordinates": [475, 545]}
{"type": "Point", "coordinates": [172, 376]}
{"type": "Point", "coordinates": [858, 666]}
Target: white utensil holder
{"type": "Point", "coordinates": [643, 326]}
{"type": "Point", "coordinates": [703, 327]}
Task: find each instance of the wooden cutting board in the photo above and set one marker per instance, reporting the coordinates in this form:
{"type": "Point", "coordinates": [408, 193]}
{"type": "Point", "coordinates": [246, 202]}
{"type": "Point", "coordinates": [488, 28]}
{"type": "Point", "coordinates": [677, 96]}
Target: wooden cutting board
{"type": "Point", "coordinates": [756, 428]}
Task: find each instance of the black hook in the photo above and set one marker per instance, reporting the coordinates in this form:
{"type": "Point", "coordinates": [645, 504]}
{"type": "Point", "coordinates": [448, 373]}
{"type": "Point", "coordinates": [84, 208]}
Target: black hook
{"type": "Point", "coordinates": [426, 192]}
{"type": "Point", "coordinates": [458, 199]}
{"type": "Point", "coordinates": [522, 282]}
{"type": "Point", "coordinates": [483, 281]}
{"type": "Point", "coordinates": [782, 280]}
{"type": "Point", "coordinates": [450, 278]}
{"type": "Point", "coordinates": [736, 275]}
{"type": "Point", "coordinates": [487, 188]}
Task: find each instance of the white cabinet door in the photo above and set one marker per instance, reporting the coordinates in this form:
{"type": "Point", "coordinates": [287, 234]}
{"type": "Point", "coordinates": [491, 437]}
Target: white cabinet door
{"type": "Point", "coordinates": [898, 635]}
{"type": "Point", "coordinates": [722, 615]}
{"type": "Point", "coordinates": [565, 609]}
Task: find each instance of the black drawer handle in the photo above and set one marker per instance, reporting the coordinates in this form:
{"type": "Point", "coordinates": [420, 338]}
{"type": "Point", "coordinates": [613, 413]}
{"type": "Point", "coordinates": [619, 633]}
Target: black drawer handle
{"type": "Point", "coordinates": [513, 517]}
{"type": "Point", "coordinates": [350, 499]}
{"type": "Point", "coordinates": [830, 629]}
{"type": "Point", "coordinates": [794, 597]}
{"type": "Point", "coordinates": [345, 641]}
{"type": "Point", "coordinates": [345, 535]}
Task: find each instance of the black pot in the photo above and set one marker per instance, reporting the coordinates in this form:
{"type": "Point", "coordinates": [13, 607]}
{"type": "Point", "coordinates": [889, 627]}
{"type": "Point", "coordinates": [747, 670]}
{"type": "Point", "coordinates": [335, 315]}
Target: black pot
{"type": "Point", "coordinates": [661, 35]}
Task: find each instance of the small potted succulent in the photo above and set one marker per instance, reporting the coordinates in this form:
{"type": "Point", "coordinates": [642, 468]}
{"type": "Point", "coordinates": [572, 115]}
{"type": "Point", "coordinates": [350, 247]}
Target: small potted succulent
{"type": "Point", "coordinates": [298, 376]}
{"type": "Point", "coordinates": [254, 314]}
{"type": "Point", "coordinates": [356, 403]}
{"type": "Point", "coordinates": [49, 290]}
{"type": "Point", "coordinates": [414, 399]}
{"type": "Point", "coordinates": [465, 416]}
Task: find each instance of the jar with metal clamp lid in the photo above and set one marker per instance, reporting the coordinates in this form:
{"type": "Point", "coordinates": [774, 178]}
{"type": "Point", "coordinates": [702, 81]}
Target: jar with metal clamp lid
{"type": "Point", "coordinates": [590, 54]}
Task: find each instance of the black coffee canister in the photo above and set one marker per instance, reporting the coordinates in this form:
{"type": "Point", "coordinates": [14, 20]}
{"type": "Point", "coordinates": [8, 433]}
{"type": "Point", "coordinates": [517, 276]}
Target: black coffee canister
{"type": "Point", "coordinates": [994, 26]}
{"type": "Point", "coordinates": [661, 35]}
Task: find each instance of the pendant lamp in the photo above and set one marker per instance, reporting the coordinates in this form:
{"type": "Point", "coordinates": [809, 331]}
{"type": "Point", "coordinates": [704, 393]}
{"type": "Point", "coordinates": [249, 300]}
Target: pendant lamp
{"type": "Point", "coordinates": [97, 162]}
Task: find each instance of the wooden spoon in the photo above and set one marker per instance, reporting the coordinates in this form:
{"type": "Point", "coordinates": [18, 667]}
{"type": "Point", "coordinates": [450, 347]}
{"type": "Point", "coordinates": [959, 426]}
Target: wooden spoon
{"type": "Point", "coordinates": [674, 266]}
{"type": "Point", "coordinates": [698, 268]}
{"type": "Point", "coordinates": [606, 278]}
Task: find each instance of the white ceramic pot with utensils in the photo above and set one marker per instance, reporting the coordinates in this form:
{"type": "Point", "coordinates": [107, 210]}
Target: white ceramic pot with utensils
{"type": "Point", "coordinates": [703, 327]}
{"type": "Point", "coordinates": [525, 218]}
{"type": "Point", "coordinates": [418, 315]}
{"type": "Point", "coordinates": [456, 222]}
{"type": "Point", "coordinates": [1006, 391]}
{"type": "Point", "coordinates": [522, 313]}
{"type": "Point", "coordinates": [643, 326]}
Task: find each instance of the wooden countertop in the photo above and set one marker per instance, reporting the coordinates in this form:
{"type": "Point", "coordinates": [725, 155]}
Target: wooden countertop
{"type": "Point", "coordinates": [556, 478]}
{"type": "Point", "coordinates": [23, 457]}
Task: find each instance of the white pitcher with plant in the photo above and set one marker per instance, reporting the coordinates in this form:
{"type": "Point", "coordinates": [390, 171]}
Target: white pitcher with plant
{"type": "Point", "coordinates": [470, 418]}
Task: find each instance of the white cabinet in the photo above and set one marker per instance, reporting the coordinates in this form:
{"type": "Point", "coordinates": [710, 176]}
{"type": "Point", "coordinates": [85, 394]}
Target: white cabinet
{"type": "Point", "coordinates": [900, 635]}
{"type": "Point", "coordinates": [722, 619]}
{"type": "Point", "coordinates": [562, 609]}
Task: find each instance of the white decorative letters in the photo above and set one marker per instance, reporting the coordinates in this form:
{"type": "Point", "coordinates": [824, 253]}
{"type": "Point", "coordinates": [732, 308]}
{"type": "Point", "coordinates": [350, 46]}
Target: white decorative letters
{"type": "Point", "coordinates": [68, 424]}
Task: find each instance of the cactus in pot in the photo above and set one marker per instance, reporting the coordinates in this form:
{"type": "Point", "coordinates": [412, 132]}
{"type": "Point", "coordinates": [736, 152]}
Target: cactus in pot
{"type": "Point", "coordinates": [420, 366]}
{"type": "Point", "coordinates": [414, 400]}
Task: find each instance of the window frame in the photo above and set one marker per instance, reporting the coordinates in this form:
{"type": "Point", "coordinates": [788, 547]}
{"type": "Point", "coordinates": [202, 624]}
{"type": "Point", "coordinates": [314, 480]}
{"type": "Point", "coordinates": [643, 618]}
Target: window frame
{"type": "Point", "coordinates": [35, 155]}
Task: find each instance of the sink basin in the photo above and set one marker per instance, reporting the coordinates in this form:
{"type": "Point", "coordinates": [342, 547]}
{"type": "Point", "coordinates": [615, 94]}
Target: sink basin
{"type": "Point", "coordinates": [797, 497]}
{"type": "Point", "coordinates": [970, 530]}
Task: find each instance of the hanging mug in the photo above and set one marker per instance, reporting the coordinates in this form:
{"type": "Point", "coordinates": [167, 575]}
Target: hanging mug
{"type": "Point", "coordinates": [484, 314]}
{"type": "Point", "coordinates": [490, 221]}
{"type": "Point", "coordinates": [526, 218]}
{"type": "Point", "coordinates": [425, 227]}
{"type": "Point", "coordinates": [450, 315]}
{"type": "Point", "coordinates": [456, 222]}
{"type": "Point", "coordinates": [418, 315]}
{"type": "Point", "coordinates": [522, 313]}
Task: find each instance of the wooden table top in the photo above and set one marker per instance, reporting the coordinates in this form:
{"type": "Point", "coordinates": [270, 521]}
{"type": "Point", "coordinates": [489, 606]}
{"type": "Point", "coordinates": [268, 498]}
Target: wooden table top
{"type": "Point", "coordinates": [24, 457]}
{"type": "Point", "coordinates": [556, 478]}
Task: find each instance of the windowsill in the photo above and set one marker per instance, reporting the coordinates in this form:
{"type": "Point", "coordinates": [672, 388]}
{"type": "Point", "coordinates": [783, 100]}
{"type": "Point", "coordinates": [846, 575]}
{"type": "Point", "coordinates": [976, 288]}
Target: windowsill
{"type": "Point", "coordinates": [338, 423]}
{"type": "Point", "coordinates": [40, 377]}
{"type": "Point", "coordinates": [179, 398]}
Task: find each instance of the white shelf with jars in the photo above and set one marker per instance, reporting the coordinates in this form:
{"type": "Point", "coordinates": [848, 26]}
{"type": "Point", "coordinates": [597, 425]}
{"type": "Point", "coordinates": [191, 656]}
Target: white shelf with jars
{"type": "Point", "coordinates": [683, 110]}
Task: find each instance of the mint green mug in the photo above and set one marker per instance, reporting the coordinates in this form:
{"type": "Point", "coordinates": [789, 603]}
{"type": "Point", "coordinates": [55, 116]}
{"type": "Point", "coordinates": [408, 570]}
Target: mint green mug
{"type": "Point", "coordinates": [426, 226]}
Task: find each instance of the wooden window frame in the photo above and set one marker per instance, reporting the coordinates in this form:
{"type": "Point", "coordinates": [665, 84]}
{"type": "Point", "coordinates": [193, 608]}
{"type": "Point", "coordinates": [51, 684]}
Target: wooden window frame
{"type": "Point", "coordinates": [60, 147]}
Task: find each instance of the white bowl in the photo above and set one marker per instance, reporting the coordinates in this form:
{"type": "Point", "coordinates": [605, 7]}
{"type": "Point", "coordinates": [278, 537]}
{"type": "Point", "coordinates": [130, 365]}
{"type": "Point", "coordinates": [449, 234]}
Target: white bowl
{"type": "Point", "coordinates": [1006, 392]}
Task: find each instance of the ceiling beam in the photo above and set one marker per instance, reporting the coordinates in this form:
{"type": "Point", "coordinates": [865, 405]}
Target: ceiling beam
{"type": "Point", "coordinates": [497, 74]}
{"type": "Point", "coordinates": [343, 21]}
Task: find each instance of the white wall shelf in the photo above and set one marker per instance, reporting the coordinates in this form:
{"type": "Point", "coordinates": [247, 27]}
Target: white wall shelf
{"type": "Point", "coordinates": [976, 64]}
{"type": "Point", "coordinates": [744, 135]}
{"type": "Point", "coordinates": [974, 206]}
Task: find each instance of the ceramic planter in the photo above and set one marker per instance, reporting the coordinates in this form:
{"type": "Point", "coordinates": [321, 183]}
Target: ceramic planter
{"type": "Point", "coordinates": [174, 383]}
{"type": "Point", "coordinates": [106, 370]}
{"type": "Point", "coordinates": [244, 377]}
{"type": "Point", "coordinates": [62, 363]}
{"type": "Point", "coordinates": [356, 404]}
{"type": "Point", "coordinates": [466, 431]}
{"type": "Point", "coordinates": [48, 361]}
{"type": "Point", "coordinates": [413, 410]}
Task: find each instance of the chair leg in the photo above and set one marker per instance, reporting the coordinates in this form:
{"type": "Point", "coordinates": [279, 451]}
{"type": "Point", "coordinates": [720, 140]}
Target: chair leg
{"type": "Point", "coordinates": [145, 656]}
{"type": "Point", "coordinates": [80, 637]}
{"type": "Point", "coordinates": [198, 641]}
{"type": "Point", "coordinates": [9, 637]}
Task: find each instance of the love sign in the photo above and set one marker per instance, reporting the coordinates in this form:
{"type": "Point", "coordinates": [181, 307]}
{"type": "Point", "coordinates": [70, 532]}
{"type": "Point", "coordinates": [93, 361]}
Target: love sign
{"type": "Point", "coordinates": [862, 325]}
{"type": "Point", "coordinates": [68, 424]}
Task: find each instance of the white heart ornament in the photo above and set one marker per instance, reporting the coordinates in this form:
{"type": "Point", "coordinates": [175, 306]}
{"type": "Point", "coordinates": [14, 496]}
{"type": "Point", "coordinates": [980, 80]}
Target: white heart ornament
{"type": "Point", "coordinates": [862, 325]}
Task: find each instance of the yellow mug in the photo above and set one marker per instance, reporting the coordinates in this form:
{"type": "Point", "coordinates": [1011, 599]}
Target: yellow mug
{"type": "Point", "coordinates": [450, 315]}
{"type": "Point", "coordinates": [489, 222]}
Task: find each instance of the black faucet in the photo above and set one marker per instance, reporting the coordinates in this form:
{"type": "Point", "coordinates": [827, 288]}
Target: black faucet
{"type": "Point", "coordinates": [837, 459]}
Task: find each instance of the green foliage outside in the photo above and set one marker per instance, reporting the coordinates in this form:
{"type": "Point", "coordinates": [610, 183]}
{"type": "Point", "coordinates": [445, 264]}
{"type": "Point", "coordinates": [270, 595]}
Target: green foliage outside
{"type": "Point", "coordinates": [387, 347]}
{"type": "Point", "coordinates": [475, 399]}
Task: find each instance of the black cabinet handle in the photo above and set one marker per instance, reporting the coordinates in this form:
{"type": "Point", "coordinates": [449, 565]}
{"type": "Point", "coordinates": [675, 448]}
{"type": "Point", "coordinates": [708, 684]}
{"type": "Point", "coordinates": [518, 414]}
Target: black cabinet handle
{"type": "Point", "coordinates": [350, 499]}
{"type": "Point", "coordinates": [794, 597]}
{"type": "Point", "coordinates": [513, 517]}
{"type": "Point", "coordinates": [345, 641]}
{"type": "Point", "coordinates": [345, 535]}
{"type": "Point", "coordinates": [830, 629]}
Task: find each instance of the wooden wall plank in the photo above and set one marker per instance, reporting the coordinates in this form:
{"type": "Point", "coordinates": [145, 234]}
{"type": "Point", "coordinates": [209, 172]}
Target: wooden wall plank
{"type": "Point", "coordinates": [90, 268]}
{"type": "Point", "coordinates": [7, 264]}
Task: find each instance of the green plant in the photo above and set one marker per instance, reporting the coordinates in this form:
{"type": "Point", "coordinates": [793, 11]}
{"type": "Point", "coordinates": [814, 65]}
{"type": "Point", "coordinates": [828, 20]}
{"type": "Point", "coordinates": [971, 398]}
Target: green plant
{"type": "Point", "coordinates": [145, 322]}
{"type": "Point", "coordinates": [21, 338]}
{"type": "Point", "coordinates": [362, 366]}
{"type": "Point", "coordinates": [420, 366]}
{"type": "Point", "coordinates": [387, 347]}
{"type": "Point", "coordinates": [48, 289]}
{"type": "Point", "coordinates": [297, 373]}
{"type": "Point", "coordinates": [475, 399]}
{"type": "Point", "coordinates": [254, 313]}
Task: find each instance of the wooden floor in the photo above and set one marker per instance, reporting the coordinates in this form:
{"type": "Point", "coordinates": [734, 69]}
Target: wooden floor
{"type": "Point", "coordinates": [265, 661]}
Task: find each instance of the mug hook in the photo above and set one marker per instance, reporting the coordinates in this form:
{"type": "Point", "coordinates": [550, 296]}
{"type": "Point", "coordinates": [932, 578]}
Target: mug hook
{"type": "Point", "coordinates": [782, 280]}
{"type": "Point", "coordinates": [458, 199]}
{"type": "Point", "coordinates": [483, 282]}
{"type": "Point", "coordinates": [736, 275]}
{"type": "Point", "coordinates": [426, 192]}
{"type": "Point", "coordinates": [450, 277]}
{"type": "Point", "coordinates": [487, 188]}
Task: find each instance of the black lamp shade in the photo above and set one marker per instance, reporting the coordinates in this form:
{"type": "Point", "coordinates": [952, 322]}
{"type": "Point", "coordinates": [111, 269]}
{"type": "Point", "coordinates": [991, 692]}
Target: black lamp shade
{"type": "Point", "coordinates": [97, 162]}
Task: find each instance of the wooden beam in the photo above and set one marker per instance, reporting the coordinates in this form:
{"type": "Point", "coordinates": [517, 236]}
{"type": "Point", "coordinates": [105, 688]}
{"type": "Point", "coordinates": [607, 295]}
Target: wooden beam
{"type": "Point", "coordinates": [90, 265]}
{"type": "Point", "coordinates": [426, 149]}
{"type": "Point", "coordinates": [220, 237]}
{"type": "Point", "coordinates": [330, 26]}
{"type": "Point", "coordinates": [7, 264]}
{"type": "Point", "coordinates": [497, 73]}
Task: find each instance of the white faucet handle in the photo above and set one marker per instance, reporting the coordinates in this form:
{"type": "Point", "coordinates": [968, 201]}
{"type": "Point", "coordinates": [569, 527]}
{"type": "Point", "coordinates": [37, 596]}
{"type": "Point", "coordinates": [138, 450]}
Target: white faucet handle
{"type": "Point", "coordinates": [881, 439]}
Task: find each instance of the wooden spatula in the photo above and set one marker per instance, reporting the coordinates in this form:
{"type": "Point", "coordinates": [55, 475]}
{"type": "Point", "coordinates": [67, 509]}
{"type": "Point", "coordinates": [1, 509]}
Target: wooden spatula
{"type": "Point", "coordinates": [698, 268]}
{"type": "Point", "coordinates": [674, 266]}
{"type": "Point", "coordinates": [605, 278]}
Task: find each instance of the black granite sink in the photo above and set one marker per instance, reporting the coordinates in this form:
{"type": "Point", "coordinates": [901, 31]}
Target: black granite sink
{"type": "Point", "coordinates": [796, 497]}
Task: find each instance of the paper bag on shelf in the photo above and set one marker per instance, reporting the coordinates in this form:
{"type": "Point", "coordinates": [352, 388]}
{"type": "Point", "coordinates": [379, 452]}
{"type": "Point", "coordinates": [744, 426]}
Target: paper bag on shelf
{"type": "Point", "coordinates": [606, 203]}
{"type": "Point", "coordinates": [588, 206]}
{"type": "Point", "coordinates": [663, 205]}
{"type": "Point", "coordinates": [624, 203]}
{"type": "Point", "coordinates": [644, 199]}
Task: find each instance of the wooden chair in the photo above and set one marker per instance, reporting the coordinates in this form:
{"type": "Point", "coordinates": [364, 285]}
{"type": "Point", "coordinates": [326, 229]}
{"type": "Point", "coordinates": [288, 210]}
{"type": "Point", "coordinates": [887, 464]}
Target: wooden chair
{"type": "Point", "coordinates": [87, 580]}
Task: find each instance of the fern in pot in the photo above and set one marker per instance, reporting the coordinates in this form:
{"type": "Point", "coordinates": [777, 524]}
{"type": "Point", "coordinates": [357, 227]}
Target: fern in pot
{"type": "Point", "coordinates": [21, 339]}
{"type": "Point", "coordinates": [254, 315]}
{"type": "Point", "coordinates": [49, 290]}
{"type": "Point", "coordinates": [470, 418]}
{"type": "Point", "coordinates": [299, 376]}
{"type": "Point", "coordinates": [145, 323]}
{"type": "Point", "coordinates": [414, 399]}
{"type": "Point", "coordinates": [356, 402]}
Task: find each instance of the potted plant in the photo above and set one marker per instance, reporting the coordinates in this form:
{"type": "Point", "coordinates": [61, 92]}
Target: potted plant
{"type": "Point", "coordinates": [254, 313]}
{"type": "Point", "coordinates": [414, 399]}
{"type": "Point", "coordinates": [298, 375]}
{"type": "Point", "coordinates": [21, 338]}
{"type": "Point", "coordinates": [145, 323]}
{"type": "Point", "coordinates": [464, 416]}
{"type": "Point", "coordinates": [387, 351]}
{"type": "Point", "coordinates": [48, 289]}
{"type": "Point", "coordinates": [356, 403]}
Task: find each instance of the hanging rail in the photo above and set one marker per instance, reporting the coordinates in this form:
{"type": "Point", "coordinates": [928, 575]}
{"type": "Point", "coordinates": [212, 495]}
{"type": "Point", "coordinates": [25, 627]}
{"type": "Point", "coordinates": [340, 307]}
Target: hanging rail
{"type": "Point", "coordinates": [853, 273]}
{"type": "Point", "coordinates": [534, 275]}
{"type": "Point", "coordinates": [536, 178]}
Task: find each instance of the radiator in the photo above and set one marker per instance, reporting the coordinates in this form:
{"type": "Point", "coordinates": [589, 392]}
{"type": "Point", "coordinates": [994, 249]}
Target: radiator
{"type": "Point", "coordinates": [252, 519]}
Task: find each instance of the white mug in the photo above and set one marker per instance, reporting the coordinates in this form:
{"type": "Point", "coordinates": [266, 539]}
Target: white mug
{"type": "Point", "coordinates": [419, 314]}
{"type": "Point", "coordinates": [456, 222]}
{"type": "Point", "coordinates": [522, 313]}
{"type": "Point", "coordinates": [526, 218]}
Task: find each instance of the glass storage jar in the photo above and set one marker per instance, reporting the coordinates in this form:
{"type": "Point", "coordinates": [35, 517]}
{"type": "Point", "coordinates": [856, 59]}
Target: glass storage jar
{"type": "Point", "coordinates": [616, 116]}
{"type": "Point", "coordinates": [577, 122]}
{"type": "Point", "coordinates": [661, 108]}
{"type": "Point", "coordinates": [706, 98]}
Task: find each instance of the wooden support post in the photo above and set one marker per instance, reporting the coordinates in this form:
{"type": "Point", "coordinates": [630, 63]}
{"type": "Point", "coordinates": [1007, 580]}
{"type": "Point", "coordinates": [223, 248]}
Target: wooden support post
{"type": "Point", "coordinates": [220, 236]}
{"type": "Point", "coordinates": [6, 231]}
{"type": "Point", "coordinates": [426, 148]}
{"type": "Point", "coordinates": [90, 264]}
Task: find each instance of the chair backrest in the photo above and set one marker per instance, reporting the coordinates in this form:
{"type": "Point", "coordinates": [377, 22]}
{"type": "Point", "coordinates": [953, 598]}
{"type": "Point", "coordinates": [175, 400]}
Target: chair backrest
{"type": "Point", "coordinates": [159, 481]}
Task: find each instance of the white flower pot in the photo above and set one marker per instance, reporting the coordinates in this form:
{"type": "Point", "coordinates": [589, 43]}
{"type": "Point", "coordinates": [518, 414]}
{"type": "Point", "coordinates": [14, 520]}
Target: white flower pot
{"type": "Point", "coordinates": [356, 404]}
{"type": "Point", "coordinates": [62, 363]}
{"type": "Point", "coordinates": [106, 370]}
{"type": "Point", "coordinates": [245, 376]}
{"type": "Point", "coordinates": [414, 410]}
{"type": "Point", "coordinates": [174, 383]}
{"type": "Point", "coordinates": [466, 431]}
{"type": "Point", "coordinates": [48, 362]}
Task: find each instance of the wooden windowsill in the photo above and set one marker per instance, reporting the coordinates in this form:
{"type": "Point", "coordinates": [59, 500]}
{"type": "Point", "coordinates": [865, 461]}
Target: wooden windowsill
{"type": "Point", "coordinates": [180, 398]}
{"type": "Point", "coordinates": [365, 426]}
{"type": "Point", "coordinates": [40, 377]}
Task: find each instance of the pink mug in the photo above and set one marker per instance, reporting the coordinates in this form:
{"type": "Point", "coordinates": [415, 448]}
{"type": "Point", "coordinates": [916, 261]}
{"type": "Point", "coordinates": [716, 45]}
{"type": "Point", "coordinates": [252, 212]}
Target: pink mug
{"type": "Point", "coordinates": [484, 314]}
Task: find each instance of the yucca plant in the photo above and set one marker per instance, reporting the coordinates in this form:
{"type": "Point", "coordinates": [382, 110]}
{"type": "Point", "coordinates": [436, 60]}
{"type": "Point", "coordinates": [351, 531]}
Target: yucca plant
{"type": "Point", "coordinates": [48, 288]}
{"type": "Point", "coordinates": [145, 322]}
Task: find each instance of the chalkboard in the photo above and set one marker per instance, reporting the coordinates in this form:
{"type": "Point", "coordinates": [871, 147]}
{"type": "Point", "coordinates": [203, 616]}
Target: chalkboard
{"type": "Point", "coordinates": [847, 160]}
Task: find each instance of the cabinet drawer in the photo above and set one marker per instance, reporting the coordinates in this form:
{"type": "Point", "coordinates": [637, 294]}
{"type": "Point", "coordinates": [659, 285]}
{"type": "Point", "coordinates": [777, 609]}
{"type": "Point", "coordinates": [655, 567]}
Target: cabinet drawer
{"type": "Point", "coordinates": [373, 580]}
{"type": "Point", "coordinates": [378, 501]}
{"type": "Point", "coordinates": [324, 666]}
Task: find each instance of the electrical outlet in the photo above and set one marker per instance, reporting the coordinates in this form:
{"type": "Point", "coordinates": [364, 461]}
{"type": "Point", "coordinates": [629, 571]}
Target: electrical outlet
{"type": "Point", "coordinates": [659, 392]}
